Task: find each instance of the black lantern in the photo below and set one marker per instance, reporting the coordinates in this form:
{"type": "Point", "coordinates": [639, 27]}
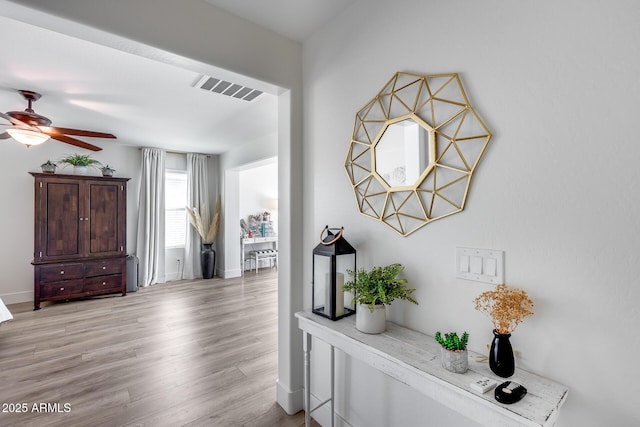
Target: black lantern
{"type": "Point", "coordinates": [331, 260]}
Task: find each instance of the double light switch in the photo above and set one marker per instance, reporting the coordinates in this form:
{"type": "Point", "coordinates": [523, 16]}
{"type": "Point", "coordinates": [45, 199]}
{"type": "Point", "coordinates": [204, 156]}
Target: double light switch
{"type": "Point", "coordinates": [481, 265]}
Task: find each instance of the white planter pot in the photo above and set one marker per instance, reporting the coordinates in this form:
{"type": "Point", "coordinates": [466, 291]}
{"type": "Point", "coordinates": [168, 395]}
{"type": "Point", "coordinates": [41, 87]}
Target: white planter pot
{"type": "Point", "coordinates": [80, 170]}
{"type": "Point", "coordinates": [371, 321]}
{"type": "Point", "coordinates": [455, 361]}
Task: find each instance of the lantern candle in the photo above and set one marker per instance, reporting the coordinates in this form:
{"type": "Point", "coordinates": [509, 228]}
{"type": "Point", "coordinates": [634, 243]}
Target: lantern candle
{"type": "Point", "coordinates": [339, 294]}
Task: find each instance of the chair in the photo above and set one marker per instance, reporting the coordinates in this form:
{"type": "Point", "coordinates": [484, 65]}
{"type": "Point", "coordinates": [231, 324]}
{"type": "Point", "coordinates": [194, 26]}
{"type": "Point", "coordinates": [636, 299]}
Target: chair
{"type": "Point", "coordinates": [258, 255]}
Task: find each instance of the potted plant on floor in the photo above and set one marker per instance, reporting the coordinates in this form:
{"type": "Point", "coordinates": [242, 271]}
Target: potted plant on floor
{"type": "Point", "coordinates": [80, 163]}
{"type": "Point", "coordinates": [372, 291]}
{"type": "Point", "coordinates": [454, 351]}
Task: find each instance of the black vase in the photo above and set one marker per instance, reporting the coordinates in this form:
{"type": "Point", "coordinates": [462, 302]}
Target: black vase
{"type": "Point", "coordinates": [501, 359]}
{"type": "Point", "coordinates": [208, 261]}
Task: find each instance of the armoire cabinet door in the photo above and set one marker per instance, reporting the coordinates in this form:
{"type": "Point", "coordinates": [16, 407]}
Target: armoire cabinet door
{"type": "Point", "coordinates": [59, 229]}
{"type": "Point", "coordinates": [106, 207]}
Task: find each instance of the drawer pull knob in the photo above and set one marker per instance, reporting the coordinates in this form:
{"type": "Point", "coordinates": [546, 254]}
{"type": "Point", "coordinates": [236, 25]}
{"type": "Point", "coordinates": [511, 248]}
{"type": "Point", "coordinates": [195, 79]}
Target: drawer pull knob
{"type": "Point", "coordinates": [62, 272]}
{"type": "Point", "coordinates": [62, 289]}
{"type": "Point", "coordinates": [104, 268]}
{"type": "Point", "coordinates": [104, 283]}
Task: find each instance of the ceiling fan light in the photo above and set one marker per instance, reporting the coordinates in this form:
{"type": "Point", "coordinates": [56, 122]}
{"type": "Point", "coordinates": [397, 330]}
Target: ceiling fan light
{"type": "Point", "coordinates": [27, 137]}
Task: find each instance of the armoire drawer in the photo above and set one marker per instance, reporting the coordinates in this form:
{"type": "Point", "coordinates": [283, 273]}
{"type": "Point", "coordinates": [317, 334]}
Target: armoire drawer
{"type": "Point", "coordinates": [60, 289]}
{"type": "Point", "coordinates": [103, 283]}
{"type": "Point", "coordinates": [103, 267]}
{"type": "Point", "coordinates": [58, 272]}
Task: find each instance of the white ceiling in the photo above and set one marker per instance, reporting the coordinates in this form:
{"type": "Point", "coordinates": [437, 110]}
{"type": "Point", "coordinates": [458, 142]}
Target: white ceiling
{"type": "Point", "coordinates": [142, 101]}
{"type": "Point", "coordinates": [295, 19]}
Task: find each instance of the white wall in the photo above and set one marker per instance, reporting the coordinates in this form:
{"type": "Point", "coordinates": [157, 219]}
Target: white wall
{"type": "Point", "coordinates": [259, 191]}
{"type": "Point", "coordinates": [17, 194]}
{"type": "Point", "coordinates": [557, 83]}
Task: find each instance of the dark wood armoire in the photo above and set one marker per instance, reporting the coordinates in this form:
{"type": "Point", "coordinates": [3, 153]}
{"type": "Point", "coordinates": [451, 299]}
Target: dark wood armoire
{"type": "Point", "coordinates": [80, 236]}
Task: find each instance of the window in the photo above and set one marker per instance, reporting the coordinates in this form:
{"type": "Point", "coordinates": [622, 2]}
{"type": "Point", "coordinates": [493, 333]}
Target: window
{"type": "Point", "coordinates": [175, 213]}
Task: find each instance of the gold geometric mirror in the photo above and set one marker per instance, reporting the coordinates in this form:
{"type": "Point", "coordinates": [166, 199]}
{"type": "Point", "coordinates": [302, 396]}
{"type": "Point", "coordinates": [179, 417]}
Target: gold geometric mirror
{"type": "Point", "coordinates": [414, 149]}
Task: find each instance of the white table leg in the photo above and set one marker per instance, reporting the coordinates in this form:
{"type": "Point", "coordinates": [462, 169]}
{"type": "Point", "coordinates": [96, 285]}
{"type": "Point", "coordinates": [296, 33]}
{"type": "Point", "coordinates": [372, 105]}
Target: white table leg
{"type": "Point", "coordinates": [306, 346]}
{"type": "Point", "coordinates": [333, 377]}
{"type": "Point", "coordinates": [242, 260]}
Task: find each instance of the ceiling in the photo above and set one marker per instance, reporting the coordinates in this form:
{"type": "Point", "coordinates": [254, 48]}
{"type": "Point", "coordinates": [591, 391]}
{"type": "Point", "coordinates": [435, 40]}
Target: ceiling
{"type": "Point", "coordinates": [142, 101]}
{"type": "Point", "coordinates": [295, 19]}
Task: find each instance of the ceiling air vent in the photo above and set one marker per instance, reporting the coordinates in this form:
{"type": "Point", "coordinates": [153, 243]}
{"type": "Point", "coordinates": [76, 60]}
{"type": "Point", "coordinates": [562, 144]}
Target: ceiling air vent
{"type": "Point", "coordinates": [223, 87]}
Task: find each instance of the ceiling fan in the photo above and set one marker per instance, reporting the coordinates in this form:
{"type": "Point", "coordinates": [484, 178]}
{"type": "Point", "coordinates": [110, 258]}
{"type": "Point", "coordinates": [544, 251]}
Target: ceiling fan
{"type": "Point", "coordinates": [30, 128]}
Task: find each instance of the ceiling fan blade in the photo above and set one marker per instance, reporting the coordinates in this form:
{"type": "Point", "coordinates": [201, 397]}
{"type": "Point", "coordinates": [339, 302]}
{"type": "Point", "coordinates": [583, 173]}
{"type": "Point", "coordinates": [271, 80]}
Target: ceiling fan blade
{"type": "Point", "coordinates": [58, 131]}
{"type": "Point", "coordinates": [14, 121]}
{"type": "Point", "coordinates": [7, 118]}
{"type": "Point", "coordinates": [73, 141]}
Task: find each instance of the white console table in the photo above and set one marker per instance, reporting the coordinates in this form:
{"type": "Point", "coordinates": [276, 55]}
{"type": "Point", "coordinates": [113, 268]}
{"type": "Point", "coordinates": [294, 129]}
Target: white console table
{"type": "Point", "coordinates": [413, 358]}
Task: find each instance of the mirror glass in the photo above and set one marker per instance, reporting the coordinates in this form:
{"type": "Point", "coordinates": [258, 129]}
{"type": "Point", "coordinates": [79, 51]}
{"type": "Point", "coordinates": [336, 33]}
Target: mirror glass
{"type": "Point", "coordinates": [402, 154]}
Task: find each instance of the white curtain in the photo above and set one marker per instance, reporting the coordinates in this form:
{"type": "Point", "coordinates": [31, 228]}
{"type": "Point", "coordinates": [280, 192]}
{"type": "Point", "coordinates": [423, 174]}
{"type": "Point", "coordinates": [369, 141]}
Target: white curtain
{"type": "Point", "coordinates": [198, 197]}
{"type": "Point", "coordinates": [150, 244]}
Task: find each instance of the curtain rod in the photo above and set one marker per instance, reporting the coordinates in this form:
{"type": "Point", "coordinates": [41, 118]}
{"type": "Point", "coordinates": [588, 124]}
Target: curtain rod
{"type": "Point", "coordinates": [176, 152]}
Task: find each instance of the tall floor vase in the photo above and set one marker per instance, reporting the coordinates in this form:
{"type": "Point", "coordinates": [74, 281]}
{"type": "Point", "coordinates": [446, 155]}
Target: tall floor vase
{"type": "Point", "coordinates": [501, 359]}
{"type": "Point", "coordinates": [208, 261]}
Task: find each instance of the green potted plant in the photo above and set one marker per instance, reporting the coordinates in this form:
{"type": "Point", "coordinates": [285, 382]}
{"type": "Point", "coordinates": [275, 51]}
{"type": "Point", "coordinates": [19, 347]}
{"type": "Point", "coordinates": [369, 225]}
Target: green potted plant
{"type": "Point", "coordinates": [48, 167]}
{"type": "Point", "coordinates": [372, 291]}
{"type": "Point", "coordinates": [454, 351]}
{"type": "Point", "coordinates": [80, 163]}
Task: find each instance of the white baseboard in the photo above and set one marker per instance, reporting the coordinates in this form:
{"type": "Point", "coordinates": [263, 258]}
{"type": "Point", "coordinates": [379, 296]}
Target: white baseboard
{"type": "Point", "coordinates": [17, 297]}
{"type": "Point", "coordinates": [231, 273]}
{"type": "Point", "coordinates": [172, 276]}
{"type": "Point", "coordinates": [291, 401]}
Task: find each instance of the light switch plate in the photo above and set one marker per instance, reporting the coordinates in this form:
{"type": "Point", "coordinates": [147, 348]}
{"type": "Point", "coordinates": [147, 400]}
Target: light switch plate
{"type": "Point", "coordinates": [480, 265]}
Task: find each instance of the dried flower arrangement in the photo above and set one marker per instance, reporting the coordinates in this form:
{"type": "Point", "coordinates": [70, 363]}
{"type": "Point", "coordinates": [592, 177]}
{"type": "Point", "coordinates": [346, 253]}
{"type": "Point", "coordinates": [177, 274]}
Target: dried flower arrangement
{"type": "Point", "coordinates": [506, 307]}
{"type": "Point", "coordinates": [208, 235]}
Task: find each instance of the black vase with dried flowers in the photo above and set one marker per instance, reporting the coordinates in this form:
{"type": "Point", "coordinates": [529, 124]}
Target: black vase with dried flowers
{"type": "Point", "coordinates": [506, 307]}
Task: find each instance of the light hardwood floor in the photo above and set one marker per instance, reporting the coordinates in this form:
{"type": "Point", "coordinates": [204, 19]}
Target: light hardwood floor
{"type": "Point", "coordinates": [197, 353]}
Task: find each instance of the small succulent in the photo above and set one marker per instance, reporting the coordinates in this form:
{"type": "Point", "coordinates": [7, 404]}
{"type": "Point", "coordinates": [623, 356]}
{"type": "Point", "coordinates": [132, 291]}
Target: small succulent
{"type": "Point", "coordinates": [107, 171]}
{"type": "Point", "coordinates": [452, 342]}
{"type": "Point", "coordinates": [48, 167]}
